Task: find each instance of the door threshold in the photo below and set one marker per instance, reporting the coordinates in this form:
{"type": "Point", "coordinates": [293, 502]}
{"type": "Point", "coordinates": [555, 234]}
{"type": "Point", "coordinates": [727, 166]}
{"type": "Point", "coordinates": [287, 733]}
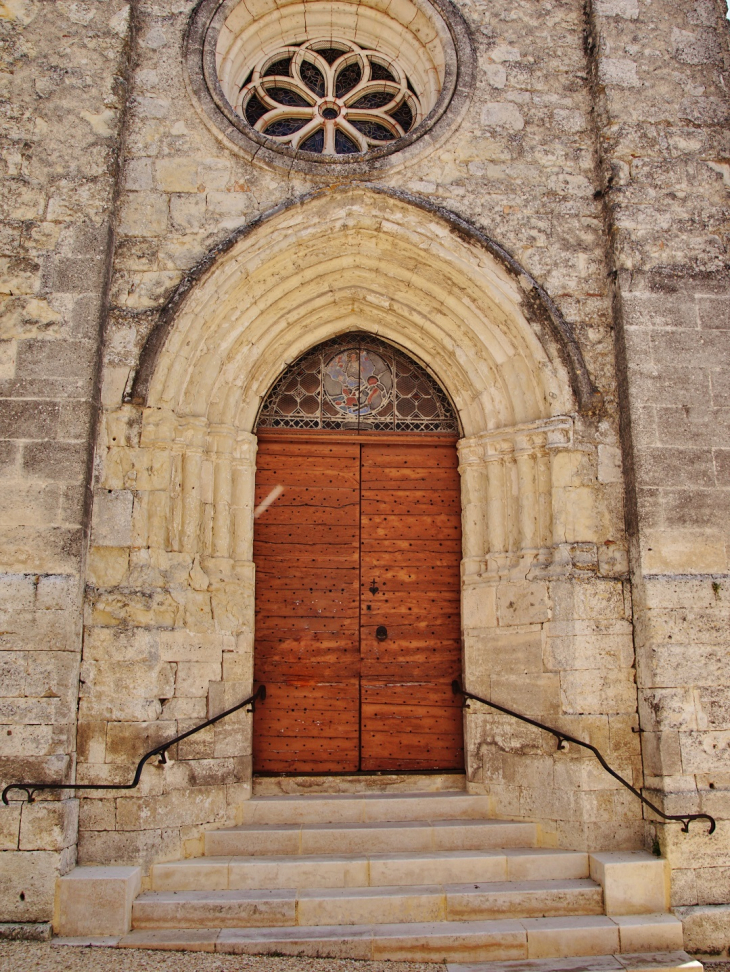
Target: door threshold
{"type": "Point", "coordinates": [380, 781]}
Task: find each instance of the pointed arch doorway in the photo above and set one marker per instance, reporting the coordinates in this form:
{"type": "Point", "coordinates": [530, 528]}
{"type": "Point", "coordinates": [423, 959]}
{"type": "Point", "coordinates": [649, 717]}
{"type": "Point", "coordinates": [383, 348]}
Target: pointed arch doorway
{"type": "Point", "coordinates": [357, 547]}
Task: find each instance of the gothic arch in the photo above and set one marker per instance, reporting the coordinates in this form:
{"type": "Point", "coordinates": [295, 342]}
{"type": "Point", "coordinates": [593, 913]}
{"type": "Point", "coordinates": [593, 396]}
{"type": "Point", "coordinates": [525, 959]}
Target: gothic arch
{"type": "Point", "coordinates": [401, 267]}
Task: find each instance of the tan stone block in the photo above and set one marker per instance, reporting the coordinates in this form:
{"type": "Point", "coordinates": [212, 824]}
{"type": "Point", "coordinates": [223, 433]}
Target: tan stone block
{"type": "Point", "coordinates": [177, 174]}
{"type": "Point", "coordinates": [706, 929]}
{"type": "Point", "coordinates": [91, 741]}
{"type": "Point", "coordinates": [96, 814]}
{"type": "Point", "coordinates": [633, 882]}
{"type": "Point", "coordinates": [561, 937]}
{"type": "Point", "coordinates": [9, 827]}
{"type": "Point", "coordinates": [96, 900]}
{"type": "Point", "coordinates": [684, 552]}
{"type": "Point", "coordinates": [532, 695]}
{"type": "Point", "coordinates": [144, 214]}
{"type": "Point", "coordinates": [27, 883]}
{"type": "Point", "coordinates": [478, 607]}
{"type": "Point", "coordinates": [202, 804]}
{"type": "Point", "coordinates": [127, 742]}
{"type": "Point", "coordinates": [649, 933]}
{"type": "Point", "coordinates": [112, 518]}
{"type": "Point", "coordinates": [585, 644]}
{"type": "Point", "coordinates": [519, 604]}
{"type": "Point", "coordinates": [598, 691]}
{"type": "Point", "coordinates": [505, 651]}
{"type": "Point", "coordinates": [185, 646]}
{"type": "Point", "coordinates": [193, 678]}
{"type": "Point", "coordinates": [49, 826]}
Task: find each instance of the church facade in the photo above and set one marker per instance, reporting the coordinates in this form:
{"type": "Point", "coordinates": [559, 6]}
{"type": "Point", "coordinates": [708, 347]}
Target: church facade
{"type": "Point", "coordinates": [355, 349]}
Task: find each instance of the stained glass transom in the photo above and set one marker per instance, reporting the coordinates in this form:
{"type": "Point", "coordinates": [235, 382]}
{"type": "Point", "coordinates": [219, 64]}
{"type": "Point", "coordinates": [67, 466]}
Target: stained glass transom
{"type": "Point", "coordinates": [357, 382]}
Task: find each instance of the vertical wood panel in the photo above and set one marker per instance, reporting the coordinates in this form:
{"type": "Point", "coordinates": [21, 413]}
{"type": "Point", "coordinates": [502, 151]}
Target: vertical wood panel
{"type": "Point", "coordinates": [411, 548]}
{"type": "Point", "coordinates": [307, 647]}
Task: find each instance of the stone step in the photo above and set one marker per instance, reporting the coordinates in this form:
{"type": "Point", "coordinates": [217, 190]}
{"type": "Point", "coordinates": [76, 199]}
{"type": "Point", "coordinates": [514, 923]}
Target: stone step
{"type": "Point", "coordinates": [414, 836]}
{"type": "Point", "coordinates": [365, 808]}
{"type": "Point", "coordinates": [358, 784]}
{"type": "Point", "coordinates": [638, 962]}
{"type": "Point", "coordinates": [447, 941]}
{"type": "Point", "coordinates": [371, 905]}
{"type": "Point", "coordinates": [365, 870]}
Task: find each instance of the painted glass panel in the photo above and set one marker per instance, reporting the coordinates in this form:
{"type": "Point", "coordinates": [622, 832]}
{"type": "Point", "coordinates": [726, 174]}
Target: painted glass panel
{"type": "Point", "coordinates": [357, 382]}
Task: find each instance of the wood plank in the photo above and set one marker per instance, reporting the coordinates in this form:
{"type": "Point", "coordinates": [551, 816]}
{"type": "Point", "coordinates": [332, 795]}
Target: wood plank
{"type": "Point", "coordinates": [324, 497]}
{"type": "Point", "coordinates": [384, 502]}
{"type": "Point", "coordinates": [413, 456]}
{"type": "Point", "coordinates": [312, 449]}
{"type": "Point", "coordinates": [394, 478]}
{"type": "Point", "coordinates": [307, 533]}
{"type": "Point", "coordinates": [389, 692]}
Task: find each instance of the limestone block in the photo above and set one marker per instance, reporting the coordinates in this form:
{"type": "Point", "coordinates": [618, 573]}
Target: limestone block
{"type": "Point", "coordinates": [706, 929]}
{"type": "Point", "coordinates": [478, 607]}
{"type": "Point", "coordinates": [525, 603]}
{"type": "Point", "coordinates": [9, 827]}
{"type": "Point", "coordinates": [185, 646]}
{"type": "Point", "coordinates": [598, 691]}
{"type": "Point", "coordinates": [504, 115]}
{"type": "Point", "coordinates": [49, 826]}
{"type": "Point", "coordinates": [96, 901]}
{"type": "Point", "coordinates": [177, 174]}
{"type": "Point", "coordinates": [533, 695]}
{"type": "Point", "coordinates": [144, 214]}
{"type": "Point", "coordinates": [193, 678]}
{"type": "Point", "coordinates": [505, 651]}
{"type": "Point", "coordinates": [27, 880]}
{"type": "Point", "coordinates": [619, 72]}
{"type": "Point", "coordinates": [571, 645]}
{"type": "Point", "coordinates": [96, 814]}
{"type": "Point", "coordinates": [634, 882]}
{"type": "Point", "coordinates": [107, 566]}
{"type": "Point", "coordinates": [187, 212]}
{"type": "Point", "coordinates": [112, 519]}
{"type": "Point", "coordinates": [178, 808]}
{"type": "Point", "coordinates": [628, 9]}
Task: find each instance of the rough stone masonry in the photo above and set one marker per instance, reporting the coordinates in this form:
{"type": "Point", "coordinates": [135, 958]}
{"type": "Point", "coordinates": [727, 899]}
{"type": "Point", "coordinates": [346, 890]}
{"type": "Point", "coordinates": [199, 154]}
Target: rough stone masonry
{"type": "Point", "coordinates": [594, 147]}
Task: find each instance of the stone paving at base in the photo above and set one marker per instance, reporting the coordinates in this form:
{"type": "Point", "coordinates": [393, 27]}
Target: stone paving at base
{"type": "Point", "coordinates": [47, 957]}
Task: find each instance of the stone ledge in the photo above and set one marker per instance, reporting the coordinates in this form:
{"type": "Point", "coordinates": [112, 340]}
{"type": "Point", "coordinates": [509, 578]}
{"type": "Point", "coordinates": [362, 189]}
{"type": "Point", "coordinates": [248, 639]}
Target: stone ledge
{"type": "Point", "coordinates": [25, 931]}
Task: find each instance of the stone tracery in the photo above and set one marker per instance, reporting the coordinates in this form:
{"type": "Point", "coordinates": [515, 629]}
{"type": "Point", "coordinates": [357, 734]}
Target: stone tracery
{"type": "Point", "coordinates": [329, 96]}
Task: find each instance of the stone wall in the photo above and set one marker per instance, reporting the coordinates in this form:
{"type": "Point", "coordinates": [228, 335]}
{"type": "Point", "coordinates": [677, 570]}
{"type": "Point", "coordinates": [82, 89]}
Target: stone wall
{"type": "Point", "coordinates": [594, 149]}
{"type": "Point", "coordinates": [663, 116]}
{"type": "Point", "coordinates": [62, 97]}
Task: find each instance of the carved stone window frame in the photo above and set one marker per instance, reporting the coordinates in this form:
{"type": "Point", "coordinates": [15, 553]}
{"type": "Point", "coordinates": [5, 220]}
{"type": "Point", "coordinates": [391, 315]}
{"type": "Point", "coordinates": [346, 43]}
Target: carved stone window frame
{"type": "Point", "coordinates": [459, 63]}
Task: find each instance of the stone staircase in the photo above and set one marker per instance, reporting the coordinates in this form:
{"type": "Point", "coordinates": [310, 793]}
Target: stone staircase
{"type": "Point", "coordinates": [406, 876]}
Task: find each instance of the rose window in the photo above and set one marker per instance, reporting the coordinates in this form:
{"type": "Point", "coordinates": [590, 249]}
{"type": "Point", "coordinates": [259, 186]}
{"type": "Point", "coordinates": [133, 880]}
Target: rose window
{"type": "Point", "coordinates": [331, 97]}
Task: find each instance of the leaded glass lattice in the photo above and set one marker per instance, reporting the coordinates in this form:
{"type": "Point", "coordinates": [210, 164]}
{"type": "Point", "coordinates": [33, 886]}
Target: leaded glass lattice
{"type": "Point", "coordinates": [357, 382]}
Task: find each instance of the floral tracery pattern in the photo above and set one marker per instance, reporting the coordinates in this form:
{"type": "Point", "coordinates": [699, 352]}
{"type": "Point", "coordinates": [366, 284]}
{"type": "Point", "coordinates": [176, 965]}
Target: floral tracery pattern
{"type": "Point", "coordinates": [329, 96]}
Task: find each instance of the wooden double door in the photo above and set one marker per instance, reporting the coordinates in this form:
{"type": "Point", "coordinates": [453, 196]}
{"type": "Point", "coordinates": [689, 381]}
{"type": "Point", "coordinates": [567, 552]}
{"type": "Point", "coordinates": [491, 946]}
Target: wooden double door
{"type": "Point", "coordinates": [357, 546]}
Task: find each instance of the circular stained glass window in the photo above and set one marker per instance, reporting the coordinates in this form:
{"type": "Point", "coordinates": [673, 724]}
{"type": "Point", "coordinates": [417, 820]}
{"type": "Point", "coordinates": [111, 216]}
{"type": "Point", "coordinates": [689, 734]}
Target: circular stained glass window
{"type": "Point", "coordinates": [357, 382]}
{"type": "Point", "coordinates": [329, 96]}
{"type": "Point", "coordinates": [324, 84]}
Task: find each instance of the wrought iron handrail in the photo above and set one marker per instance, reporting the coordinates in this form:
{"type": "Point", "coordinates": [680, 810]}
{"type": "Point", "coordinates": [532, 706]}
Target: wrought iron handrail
{"type": "Point", "coordinates": [563, 737]}
{"type": "Point", "coordinates": [32, 788]}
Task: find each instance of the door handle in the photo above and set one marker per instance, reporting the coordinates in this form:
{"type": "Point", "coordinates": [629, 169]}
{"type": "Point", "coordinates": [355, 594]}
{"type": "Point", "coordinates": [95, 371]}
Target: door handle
{"type": "Point", "coordinates": [381, 632]}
